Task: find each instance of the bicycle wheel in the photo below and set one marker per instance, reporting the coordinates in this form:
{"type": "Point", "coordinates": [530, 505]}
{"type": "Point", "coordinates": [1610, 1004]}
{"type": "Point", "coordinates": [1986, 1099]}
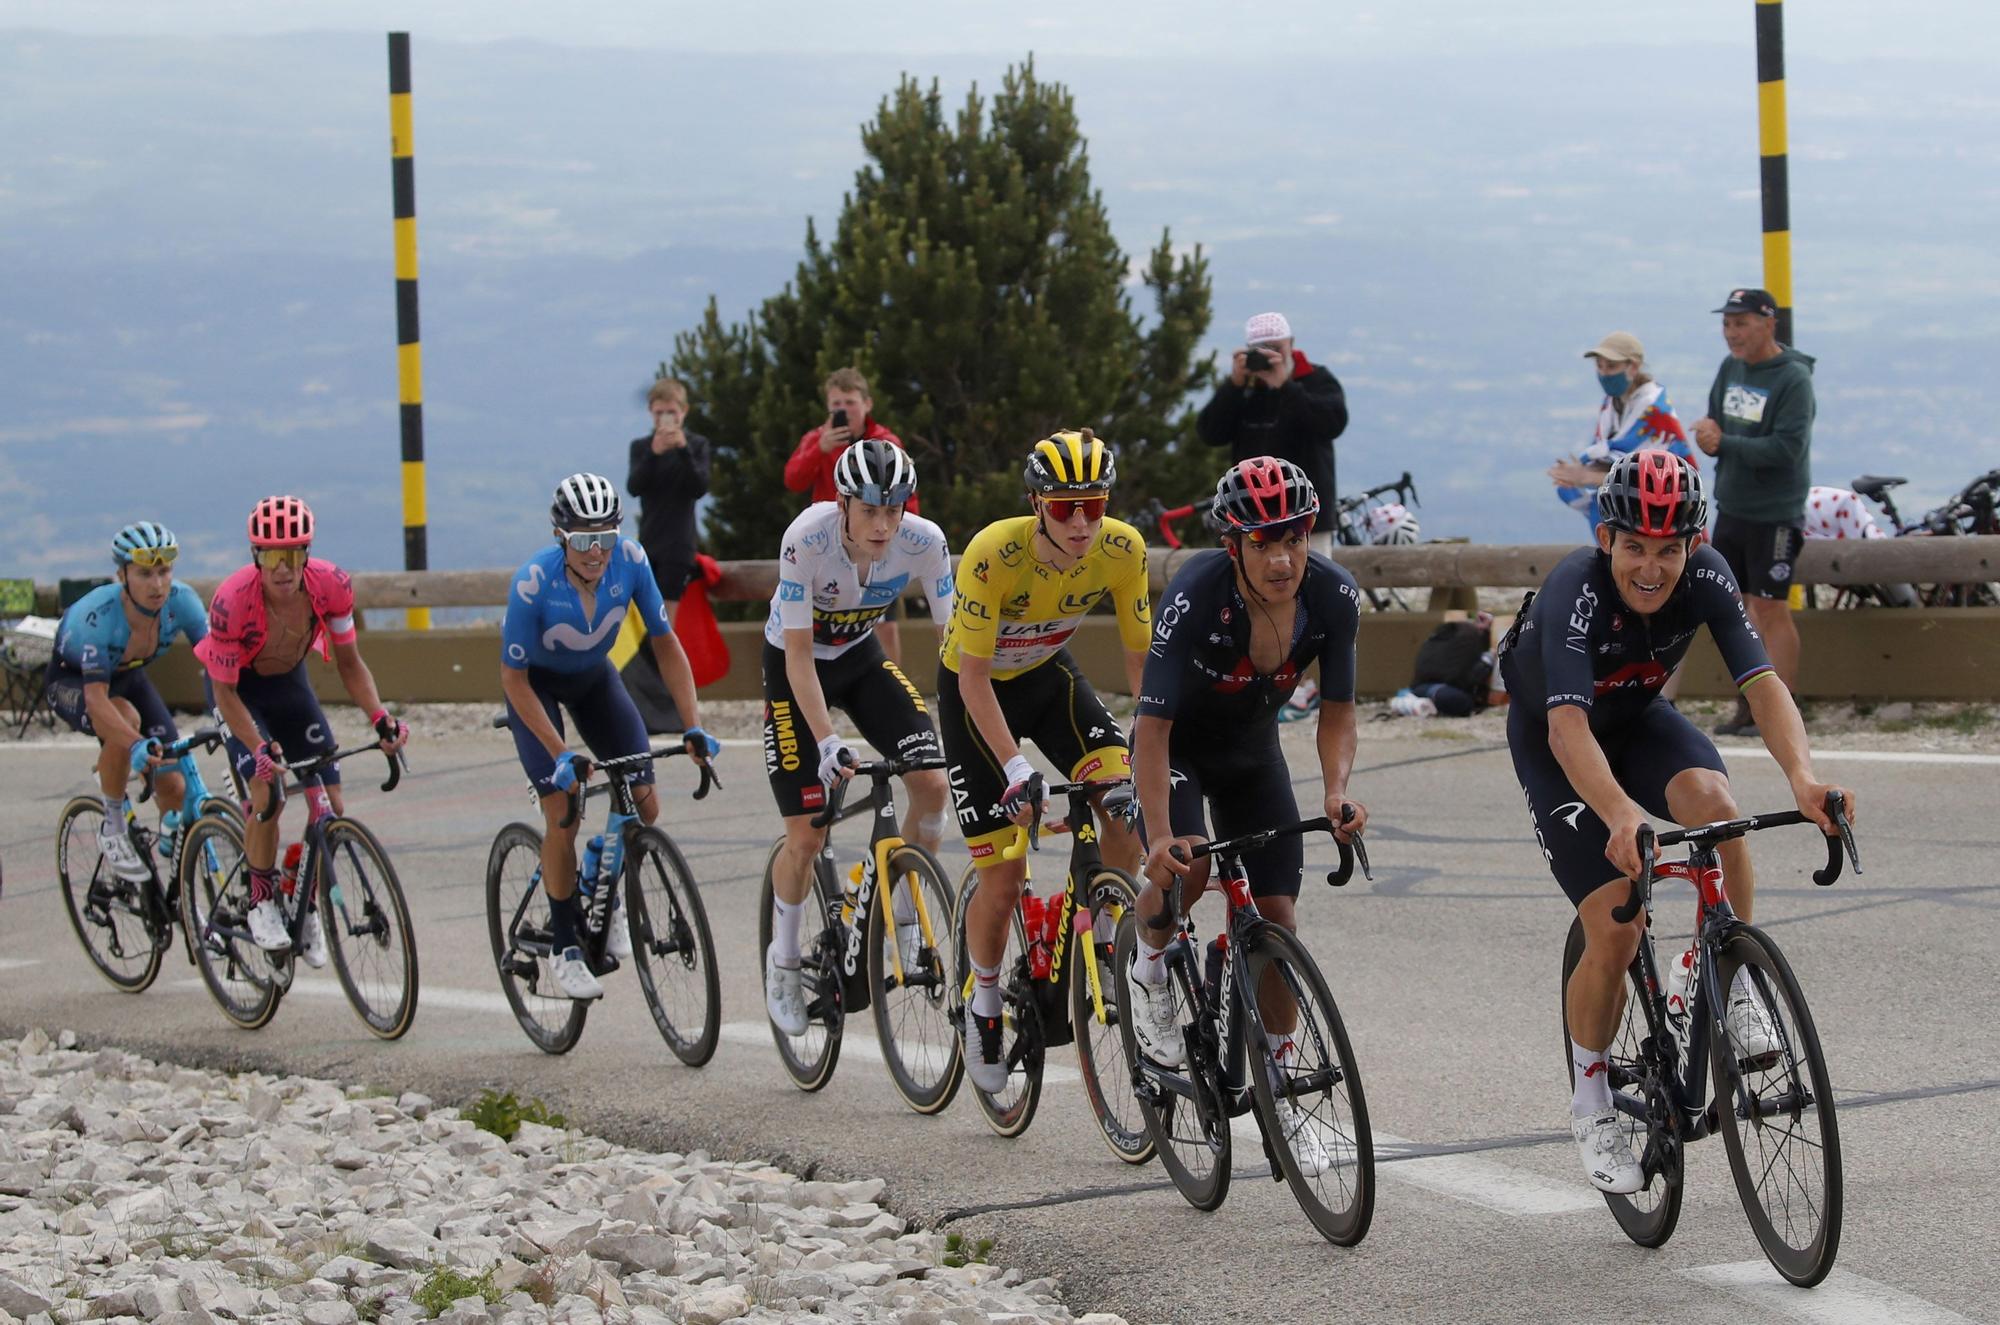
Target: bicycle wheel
{"type": "Point", "coordinates": [911, 997]}
{"type": "Point", "coordinates": [1100, 1045]}
{"type": "Point", "coordinates": [810, 1058]}
{"type": "Point", "coordinates": [518, 926]}
{"type": "Point", "coordinates": [110, 915]}
{"type": "Point", "coordinates": [1638, 1088]}
{"type": "Point", "coordinates": [1183, 1111]}
{"type": "Point", "coordinates": [671, 946]}
{"type": "Point", "coordinates": [1784, 1147]}
{"type": "Point", "coordinates": [221, 807]}
{"type": "Point", "coordinates": [1010, 1110]}
{"type": "Point", "coordinates": [367, 924]}
{"type": "Point", "coordinates": [1316, 1090]}
{"type": "Point", "coordinates": [215, 904]}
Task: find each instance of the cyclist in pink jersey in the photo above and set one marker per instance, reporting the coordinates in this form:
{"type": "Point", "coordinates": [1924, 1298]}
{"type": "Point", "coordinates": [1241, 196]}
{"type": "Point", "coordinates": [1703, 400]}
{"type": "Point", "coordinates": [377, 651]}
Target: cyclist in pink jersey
{"type": "Point", "coordinates": [262, 623]}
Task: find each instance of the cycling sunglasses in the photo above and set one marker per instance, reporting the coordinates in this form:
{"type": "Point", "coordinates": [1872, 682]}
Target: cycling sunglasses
{"type": "Point", "coordinates": [589, 539]}
{"type": "Point", "coordinates": [1061, 508]}
{"type": "Point", "coordinates": [274, 557]}
{"type": "Point", "coordinates": [1278, 533]}
{"type": "Point", "coordinates": [154, 556]}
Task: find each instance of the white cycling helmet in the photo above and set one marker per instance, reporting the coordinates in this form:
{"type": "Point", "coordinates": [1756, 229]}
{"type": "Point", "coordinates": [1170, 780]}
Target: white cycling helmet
{"type": "Point", "coordinates": [876, 471]}
{"type": "Point", "coordinates": [585, 501]}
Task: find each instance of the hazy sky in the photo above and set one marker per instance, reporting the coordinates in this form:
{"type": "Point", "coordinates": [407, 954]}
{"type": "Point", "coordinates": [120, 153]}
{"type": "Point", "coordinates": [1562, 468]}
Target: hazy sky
{"type": "Point", "coordinates": [1837, 29]}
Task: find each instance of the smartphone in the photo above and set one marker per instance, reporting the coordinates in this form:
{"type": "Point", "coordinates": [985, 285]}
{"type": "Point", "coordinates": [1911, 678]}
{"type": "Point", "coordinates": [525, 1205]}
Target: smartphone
{"type": "Point", "coordinates": [1256, 360]}
{"type": "Point", "coordinates": [840, 418]}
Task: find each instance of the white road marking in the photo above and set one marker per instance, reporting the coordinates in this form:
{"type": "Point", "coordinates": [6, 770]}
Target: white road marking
{"type": "Point", "coordinates": [16, 963]}
{"type": "Point", "coordinates": [1842, 1299]}
{"type": "Point", "coordinates": [1871, 756]}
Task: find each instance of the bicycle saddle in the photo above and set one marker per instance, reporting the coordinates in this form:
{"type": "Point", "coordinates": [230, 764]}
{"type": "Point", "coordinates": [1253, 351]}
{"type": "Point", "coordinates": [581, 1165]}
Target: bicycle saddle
{"type": "Point", "coordinates": [1874, 485]}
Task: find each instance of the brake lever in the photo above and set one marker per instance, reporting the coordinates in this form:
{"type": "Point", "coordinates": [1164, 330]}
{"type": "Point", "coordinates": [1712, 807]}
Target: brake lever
{"type": "Point", "coordinates": [1350, 852]}
{"type": "Point", "coordinates": [1165, 915]}
{"type": "Point", "coordinates": [1839, 846]}
{"type": "Point", "coordinates": [1648, 853]}
{"type": "Point", "coordinates": [576, 794]}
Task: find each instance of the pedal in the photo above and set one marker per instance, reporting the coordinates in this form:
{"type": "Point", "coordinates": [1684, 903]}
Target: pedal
{"type": "Point", "coordinates": [602, 964]}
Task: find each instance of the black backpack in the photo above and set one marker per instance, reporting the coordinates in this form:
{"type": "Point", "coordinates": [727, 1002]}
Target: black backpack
{"type": "Point", "coordinates": [1456, 654]}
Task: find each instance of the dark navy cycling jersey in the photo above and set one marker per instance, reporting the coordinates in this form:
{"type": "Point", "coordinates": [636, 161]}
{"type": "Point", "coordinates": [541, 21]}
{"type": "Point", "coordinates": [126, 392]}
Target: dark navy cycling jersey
{"type": "Point", "coordinates": [1198, 669]}
{"type": "Point", "coordinates": [1578, 643]}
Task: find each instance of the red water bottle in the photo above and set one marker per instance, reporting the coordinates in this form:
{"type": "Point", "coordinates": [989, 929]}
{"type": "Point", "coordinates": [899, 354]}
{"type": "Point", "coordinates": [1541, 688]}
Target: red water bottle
{"type": "Point", "coordinates": [290, 878]}
{"type": "Point", "coordinates": [1032, 920]}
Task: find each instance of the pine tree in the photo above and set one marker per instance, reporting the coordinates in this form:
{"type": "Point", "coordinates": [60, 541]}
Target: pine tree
{"type": "Point", "coordinates": [973, 278]}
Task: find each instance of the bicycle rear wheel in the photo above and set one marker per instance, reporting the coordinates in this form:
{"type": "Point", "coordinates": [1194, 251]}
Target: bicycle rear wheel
{"type": "Point", "coordinates": [672, 947]}
{"type": "Point", "coordinates": [518, 925]}
{"type": "Point", "coordinates": [110, 915]}
{"type": "Point", "coordinates": [1022, 1044]}
{"type": "Point", "coordinates": [1313, 1101]}
{"type": "Point", "coordinates": [1784, 1147]}
{"type": "Point", "coordinates": [1648, 1215]}
{"type": "Point", "coordinates": [367, 925]}
{"type": "Point", "coordinates": [911, 999]}
{"type": "Point", "coordinates": [1100, 1045]}
{"type": "Point", "coordinates": [810, 1058]}
{"type": "Point", "coordinates": [1183, 1111]}
{"type": "Point", "coordinates": [215, 905]}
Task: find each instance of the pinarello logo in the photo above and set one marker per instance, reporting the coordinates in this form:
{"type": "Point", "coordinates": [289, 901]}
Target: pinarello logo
{"type": "Point", "coordinates": [1593, 1069]}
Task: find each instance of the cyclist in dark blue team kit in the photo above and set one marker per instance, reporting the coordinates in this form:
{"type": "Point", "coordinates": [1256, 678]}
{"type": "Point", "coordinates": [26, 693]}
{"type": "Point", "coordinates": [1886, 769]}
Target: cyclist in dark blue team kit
{"type": "Point", "coordinates": [1232, 634]}
{"type": "Point", "coordinates": [564, 611]}
{"type": "Point", "coordinates": [97, 676]}
{"type": "Point", "coordinates": [1597, 749]}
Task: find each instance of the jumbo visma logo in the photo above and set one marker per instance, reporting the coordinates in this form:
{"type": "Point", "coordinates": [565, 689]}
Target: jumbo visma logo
{"type": "Point", "coordinates": [781, 741]}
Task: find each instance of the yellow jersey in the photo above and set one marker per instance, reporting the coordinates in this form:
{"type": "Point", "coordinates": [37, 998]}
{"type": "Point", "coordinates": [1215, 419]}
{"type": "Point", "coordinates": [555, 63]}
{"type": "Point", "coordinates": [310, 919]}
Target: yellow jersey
{"type": "Point", "coordinates": [1018, 610]}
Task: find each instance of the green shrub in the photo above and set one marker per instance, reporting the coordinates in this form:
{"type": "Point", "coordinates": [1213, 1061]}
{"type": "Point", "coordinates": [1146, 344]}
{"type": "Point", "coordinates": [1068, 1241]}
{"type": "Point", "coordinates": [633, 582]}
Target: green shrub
{"type": "Point", "coordinates": [444, 1286]}
{"type": "Point", "coordinates": [503, 1115]}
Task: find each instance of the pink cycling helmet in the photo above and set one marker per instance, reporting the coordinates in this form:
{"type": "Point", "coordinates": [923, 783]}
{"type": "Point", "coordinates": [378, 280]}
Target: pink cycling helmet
{"type": "Point", "coordinates": [281, 522]}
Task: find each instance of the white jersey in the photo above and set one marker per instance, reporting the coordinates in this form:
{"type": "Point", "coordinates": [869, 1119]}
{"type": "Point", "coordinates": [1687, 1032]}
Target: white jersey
{"type": "Point", "coordinates": [821, 588]}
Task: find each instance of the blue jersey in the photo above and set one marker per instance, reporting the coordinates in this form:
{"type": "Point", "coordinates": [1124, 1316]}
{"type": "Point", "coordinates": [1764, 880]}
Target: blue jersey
{"type": "Point", "coordinates": [545, 625]}
{"type": "Point", "coordinates": [94, 632]}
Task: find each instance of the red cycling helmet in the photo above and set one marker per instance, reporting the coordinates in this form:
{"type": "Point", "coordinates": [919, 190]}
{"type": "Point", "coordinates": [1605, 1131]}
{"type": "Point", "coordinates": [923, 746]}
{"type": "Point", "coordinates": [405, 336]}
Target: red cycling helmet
{"type": "Point", "coordinates": [281, 522]}
{"type": "Point", "coordinates": [1263, 491]}
{"type": "Point", "coordinates": [1655, 493]}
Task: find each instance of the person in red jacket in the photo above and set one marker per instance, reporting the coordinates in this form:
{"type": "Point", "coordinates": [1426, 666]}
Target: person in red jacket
{"type": "Point", "coordinates": [849, 419]}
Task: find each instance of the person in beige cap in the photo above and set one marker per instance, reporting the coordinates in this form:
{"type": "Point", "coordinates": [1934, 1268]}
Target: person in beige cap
{"type": "Point", "coordinates": [1635, 414]}
{"type": "Point", "coordinates": [1277, 403]}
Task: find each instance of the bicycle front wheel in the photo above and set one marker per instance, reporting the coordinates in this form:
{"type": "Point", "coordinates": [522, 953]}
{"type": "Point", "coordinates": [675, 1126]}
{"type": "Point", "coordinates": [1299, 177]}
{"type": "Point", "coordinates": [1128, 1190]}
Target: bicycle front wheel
{"type": "Point", "coordinates": [520, 929]}
{"type": "Point", "coordinates": [909, 938]}
{"type": "Point", "coordinates": [1095, 1014]}
{"type": "Point", "coordinates": [109, 914]}
{"type": "Point", "coordinates": [1183, 1110]}
{"type": "Point", "coordinates": [671, 945]}
{"type": "Point", "coordinates": [367, 925]}
{"type": "Point", "coordinates": [810, 1058]}
{"type": "Point", "coordinates": [1009, 1110]}
{"type": "Point", "coordinates": [215, 906]}
{"type": "Point", "coordinates": [1782, 1138]}
{"type": "Point", "coordinates": [1309, 1095]}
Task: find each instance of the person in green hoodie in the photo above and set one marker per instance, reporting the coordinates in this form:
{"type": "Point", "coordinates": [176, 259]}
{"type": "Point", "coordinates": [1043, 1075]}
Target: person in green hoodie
{"type": "Point", "coordinates": [1759, 429]}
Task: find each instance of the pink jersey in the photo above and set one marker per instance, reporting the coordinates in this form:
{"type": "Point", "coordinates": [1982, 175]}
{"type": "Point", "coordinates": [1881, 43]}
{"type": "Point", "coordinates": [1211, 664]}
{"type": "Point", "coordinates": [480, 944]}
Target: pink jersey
{"type": "Point", "coordinates": [237, 627]}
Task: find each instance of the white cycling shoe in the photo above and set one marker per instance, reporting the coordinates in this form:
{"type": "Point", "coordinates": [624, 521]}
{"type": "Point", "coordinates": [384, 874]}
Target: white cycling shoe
{"type": "Point", "coordinates": [312, 942]}
{"type": "Point", "coordinates": [121, 855]}
{"type": "Point", "coordinates": [1154, 1024]}
{"type": "Point", "coordinates": [1302, 1138]}
{"type": "Point", "coordinates": [618, 939]}
{"type": "Point", "coordinates": [784, 994]}
{"type": "Point", "coordinates": [573, 976]}
{"type": "Point", "coordinates": [1606, 1157]}
{"type": "Point", "coordinates": [267, 926]}
{"type": "Point", "coordinates": [984, 1037]}
{"type": "Point", "coordinates": [1751, 1031]}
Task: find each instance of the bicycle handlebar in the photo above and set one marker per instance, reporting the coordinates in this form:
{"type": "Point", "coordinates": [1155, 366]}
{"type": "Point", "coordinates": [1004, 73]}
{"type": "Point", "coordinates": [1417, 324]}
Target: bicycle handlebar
{"type": "Point", "coordinates": [1350, 853]}
{"type": "Point", "coordinates": [206, 737]}
{"type": "Point", "coordinates": [1405, 488]}
{"type": "Point", "coordinates": [1118, 801]}
{"type": "Point", "coordinates": [306, 768]}
{"type": "Point", "coordinates": [877, 769]}
{"type": "Point", "coordinates": [1840, 848]}
{"type": "Point", "coordinates": [579, 793]}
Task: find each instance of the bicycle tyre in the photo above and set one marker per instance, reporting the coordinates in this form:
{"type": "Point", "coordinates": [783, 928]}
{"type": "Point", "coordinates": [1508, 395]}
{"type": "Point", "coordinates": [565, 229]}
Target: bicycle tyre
{"type": "Point", "coordinates": [1100, 1045]}
{"type": "Point", "coordinates": [517, 927]}
{"type": "Point", "coordinates": [366, 920]}
{"type": "Point", "coordinates": [1022, 1044]}
{"type": "Point", "coordinates": [1647, 1216]}
{"type": "Point", "coordinates": [1343, 1209]}
{"type": "Point", "coordinates": [113, 943]}
{"type": "Point", "coordinates": [672, 947]}
{"type": "Point", "coordinates": [810, 1058]}
{"type": "Point", "coordinates": [215, 901]}
{"type": "Point", "coordinates": [912, 1011]}
{"type": "Point", "coordinates": [1760, 1152]}
{"type": "Point", "coordinates": [1190, 1132]}
{"type": "Point", "coordinates": [221, 807]}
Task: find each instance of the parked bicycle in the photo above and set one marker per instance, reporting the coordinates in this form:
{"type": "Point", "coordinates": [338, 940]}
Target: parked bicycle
{"type": "Point", "coordinates": [1055, 976]}
{"type": "Point", "coordinates": [1973, 510]}
{"type": "Point", "coordinates": [1775, 1113]}
{"type": "Point", "coordinates": [876, 941]}
{"type": "Point", "coordinates": [1309, 1106]}
{"type": "Point", "coordinates": [338, 869]}
{"type": "Point", "coordinates": [672, 949]}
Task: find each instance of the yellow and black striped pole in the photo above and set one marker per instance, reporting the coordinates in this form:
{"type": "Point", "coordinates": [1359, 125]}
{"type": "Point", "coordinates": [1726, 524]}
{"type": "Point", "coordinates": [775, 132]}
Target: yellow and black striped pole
{"type": "Point", "coordinates": [1772, 159]}
{"type": "Point", "coordinates": [409, 353]}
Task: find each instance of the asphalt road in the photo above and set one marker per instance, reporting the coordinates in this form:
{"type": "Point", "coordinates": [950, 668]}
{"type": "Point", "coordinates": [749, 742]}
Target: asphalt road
{"type": "Point", "coordinates": [1446, 970]}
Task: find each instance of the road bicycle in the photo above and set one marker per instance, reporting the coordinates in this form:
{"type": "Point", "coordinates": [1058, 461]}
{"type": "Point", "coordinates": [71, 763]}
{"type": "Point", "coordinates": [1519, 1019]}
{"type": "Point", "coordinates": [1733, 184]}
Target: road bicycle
{"type": "Point", "coordinates": [875, 941]}
{"type": "Point", "coordinates": [338, 869]}
{"type": "Point", "coordinates": [1973, 510]}
{"type": "Point", "coordinates": [1055, 975]}
{"type": "Point", "coordinates": [127, 927]}
{"type": "Point", "coordinates": [663, 914]}
{"type": "Point", "coordinates": [1306, 1097]}
{"type": "Point", "coordinates": [1775, 1113]}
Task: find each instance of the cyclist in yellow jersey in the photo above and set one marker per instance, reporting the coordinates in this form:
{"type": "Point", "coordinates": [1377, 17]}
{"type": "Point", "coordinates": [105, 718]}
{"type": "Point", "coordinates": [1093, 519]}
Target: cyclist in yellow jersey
{"type": "Point", "coordinates": [1023, 585]}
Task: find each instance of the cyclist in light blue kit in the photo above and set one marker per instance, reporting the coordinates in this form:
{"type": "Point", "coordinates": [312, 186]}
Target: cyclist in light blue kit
{"type": "Point", "coordinates": [563, 614]}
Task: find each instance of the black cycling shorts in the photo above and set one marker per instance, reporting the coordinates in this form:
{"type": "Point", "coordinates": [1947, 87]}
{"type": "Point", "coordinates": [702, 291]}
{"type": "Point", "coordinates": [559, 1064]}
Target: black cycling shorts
{"type": "Point", "coordinates": [1647, 753]}
{"type": "Point", "coordinates": [1246, 792]}
{"type": "Point", "coordinates": [65, 697]}
{"type": "Point", "coordinates": [887, 710]}
{"type": "Point", "coordinates": [606, 719]}
{"type": "Point", "coordinates": [1760, 556]}
{"type": "Point", "coordinates": [287, 714]}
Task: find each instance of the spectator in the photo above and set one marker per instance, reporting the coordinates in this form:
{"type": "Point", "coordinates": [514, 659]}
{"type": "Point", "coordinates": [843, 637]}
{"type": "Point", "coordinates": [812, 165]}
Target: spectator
{"type": "Point", "coordinates": [1277, 403]}
{"type": "Point", "coordinates": [1454, 674]}
{"type": "Point", "coordinates": [1634, 414]}
{"type": "Point", "coordinates": [669, 474]}
{"type": "Point", "coordinates": [1759, 429]}
{"type": "Point", "coordinates": [849, 418]}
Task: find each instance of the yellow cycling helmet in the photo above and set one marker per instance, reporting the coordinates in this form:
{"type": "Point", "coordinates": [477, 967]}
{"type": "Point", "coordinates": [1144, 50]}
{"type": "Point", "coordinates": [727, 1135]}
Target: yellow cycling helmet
{"type": "Point", "coordinates": [1070, 461]}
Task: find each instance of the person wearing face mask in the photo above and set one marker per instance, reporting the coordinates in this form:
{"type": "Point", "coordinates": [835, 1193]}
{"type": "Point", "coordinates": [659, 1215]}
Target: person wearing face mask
{"type": "Point", "coordinates": [1634, 413]}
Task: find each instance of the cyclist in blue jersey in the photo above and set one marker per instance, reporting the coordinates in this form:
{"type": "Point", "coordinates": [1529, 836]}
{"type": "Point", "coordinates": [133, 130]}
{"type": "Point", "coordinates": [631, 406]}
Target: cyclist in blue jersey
{"type": "Point", "coordinates": [1597, 750]}
{"type": "Point", "coordinates": [97, 676]}
{"type": "Point", "coordinates": [564, 611]}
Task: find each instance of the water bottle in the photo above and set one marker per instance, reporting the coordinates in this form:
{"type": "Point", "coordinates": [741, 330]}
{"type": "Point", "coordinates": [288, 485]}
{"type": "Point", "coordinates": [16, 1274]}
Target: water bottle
{"type": "Point", "coordinates": [1211, 978]}
{"type": "Point", "coordinates": [289, 877]}
{"type": "Point", "coordinates": [170, 833]}
{"type": "Point", "coordinates": [593, 854]}
{"type": "Point", "coordinates": [1678, 985]}
{"type": "Point", "coordinates": [1032, 915]}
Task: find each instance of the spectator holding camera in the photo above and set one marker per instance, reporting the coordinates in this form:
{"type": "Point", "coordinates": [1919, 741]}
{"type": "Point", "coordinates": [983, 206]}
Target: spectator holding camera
{"type": "Point", "coordinates": [1278, 403]}
{"type": "Point", "coordinates": [668, 473]}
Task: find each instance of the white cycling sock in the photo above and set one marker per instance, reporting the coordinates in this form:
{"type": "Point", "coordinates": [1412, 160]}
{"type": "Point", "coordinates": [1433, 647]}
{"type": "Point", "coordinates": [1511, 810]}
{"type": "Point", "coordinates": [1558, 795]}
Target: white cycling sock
{"type": "Point", "coordinates": [1593, 1081]}
{"type": "Point", "coordinates": [114, 813]}
{"type": "Point", "coordinates": [1279, 1040]}
{"type": "Point", "coordinates": [1149, 963]}
{"type": "Point", "coordinates": [1741, 987]}
{"type": "Point", "coordinates": [986, 1000]}
{"type": "Point", "coordinates": [785, 918]}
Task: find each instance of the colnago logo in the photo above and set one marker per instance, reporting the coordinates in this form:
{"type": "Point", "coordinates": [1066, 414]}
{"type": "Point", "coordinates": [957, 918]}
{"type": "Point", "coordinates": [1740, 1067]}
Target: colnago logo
{"type": "Point", "coordinates": [1579, 620]}
{"type": "Point", "coordinates": [781, 740]}
{"type": "Point", "coordinates": [864, 897]}
{"type": "Point", "coordinates": [1061, 945]}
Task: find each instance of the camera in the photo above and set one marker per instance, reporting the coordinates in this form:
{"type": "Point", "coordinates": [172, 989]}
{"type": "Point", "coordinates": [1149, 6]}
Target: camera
{"type": "Point", "coordinates": [840, 418]}
{"type": "Point", "coordinates": [1256, 360]}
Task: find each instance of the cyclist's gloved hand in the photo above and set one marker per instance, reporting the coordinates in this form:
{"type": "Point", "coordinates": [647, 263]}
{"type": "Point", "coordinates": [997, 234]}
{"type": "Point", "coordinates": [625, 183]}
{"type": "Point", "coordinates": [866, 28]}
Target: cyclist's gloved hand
{"type": "Point", "coordinates": [266, 767]}
{"type": "Point", "coordinates": [564, 778]}
{"type": "Point", "coordinates": [393, 731]}
{"type": "Point", "coordinates": [144, 752]}
{"type": "Point", "coordinates": [700, 744]}
{"type": "Point", "coordinates": [834, 758]}
{"type": "Point", "coordinates": [1024, 787]}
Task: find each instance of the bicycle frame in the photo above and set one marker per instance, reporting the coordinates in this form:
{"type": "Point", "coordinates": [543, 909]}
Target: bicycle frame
{"type": "Point", "coordinates": [884, 840]}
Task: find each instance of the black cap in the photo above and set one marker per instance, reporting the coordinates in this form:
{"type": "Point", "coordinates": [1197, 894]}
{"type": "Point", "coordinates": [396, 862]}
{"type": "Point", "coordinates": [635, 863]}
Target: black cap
{"type": "Point", "coordinates": [1759, 302]}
